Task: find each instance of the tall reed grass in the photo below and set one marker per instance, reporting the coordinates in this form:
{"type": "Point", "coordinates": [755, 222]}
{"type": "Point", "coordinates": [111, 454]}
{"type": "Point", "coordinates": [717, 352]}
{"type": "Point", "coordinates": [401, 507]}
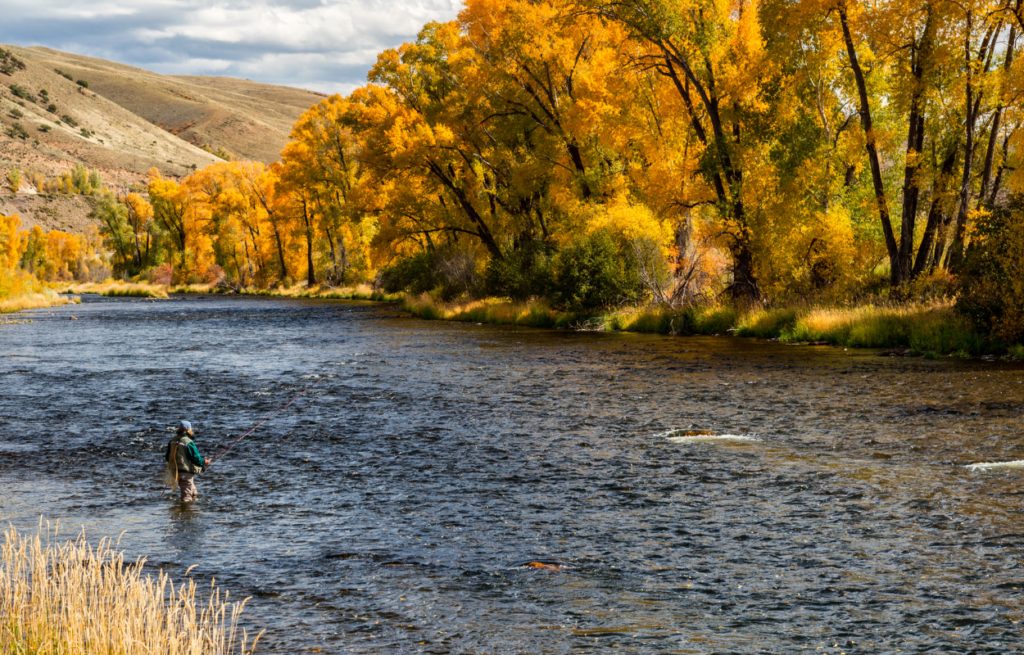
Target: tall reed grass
{"type": "Point", "coordinates": [74, 599]}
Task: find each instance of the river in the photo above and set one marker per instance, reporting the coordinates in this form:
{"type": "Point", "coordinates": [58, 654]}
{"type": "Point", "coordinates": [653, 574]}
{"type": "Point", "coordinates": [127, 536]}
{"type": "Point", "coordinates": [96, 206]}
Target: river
{"type": "Point", "coordinates": [391, 508]}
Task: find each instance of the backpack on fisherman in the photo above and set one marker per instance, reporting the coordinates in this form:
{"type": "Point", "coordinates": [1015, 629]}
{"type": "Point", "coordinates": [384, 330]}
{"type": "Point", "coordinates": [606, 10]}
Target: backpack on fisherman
{"type": "Point", "coordinates": [184, 462]}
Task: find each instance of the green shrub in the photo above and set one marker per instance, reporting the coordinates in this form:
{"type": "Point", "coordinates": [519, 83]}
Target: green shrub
{"type": "Point", "coordinates": [86, 133]}
{"type": "Point", "coordinates": [413, 274]}
{"type": "Point", "coordinates": [45, 128]}
{"type": "Point", "coordinates": [991, 287]}
{"type": "Point", "coordinates": [21, 93]}
{"type": "Point", "coordinates": [83, 84]}
{"type": "Point", "coordinates": [70, 121]}
{"type": "Point", "coordinates": [52, 108]}
{"type": "Point", "coordinates": [16, 131]}
{"type": "Point", "coordinates": [593, 272]}
{"type": "Point", "coordinates": [17, 113]}
{"type": "Point", "coordinates": [63, 74]}
{"type": "Point", "coordinates": [448, 272]}
{"type": "Point", "coordinates": [9, 64]}
{"type": "Point", "coordinates": [523, 273]}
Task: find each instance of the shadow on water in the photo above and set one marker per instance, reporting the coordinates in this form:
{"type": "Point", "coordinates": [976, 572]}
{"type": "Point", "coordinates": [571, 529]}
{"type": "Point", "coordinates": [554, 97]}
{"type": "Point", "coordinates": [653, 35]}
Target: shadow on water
{"type": "Point", "coordinates": [454, 488]}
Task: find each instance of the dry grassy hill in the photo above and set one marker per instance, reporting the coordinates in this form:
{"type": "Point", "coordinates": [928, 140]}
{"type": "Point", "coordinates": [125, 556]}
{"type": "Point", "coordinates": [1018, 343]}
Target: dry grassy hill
{"type": "Point", "coordinates": [248, 119]}
{"type": "Point", "coordinates": [130, 120]}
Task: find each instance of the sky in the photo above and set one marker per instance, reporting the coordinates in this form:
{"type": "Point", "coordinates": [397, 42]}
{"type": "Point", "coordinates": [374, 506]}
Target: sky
{"type": "Point", "coordinates": [322, 45]}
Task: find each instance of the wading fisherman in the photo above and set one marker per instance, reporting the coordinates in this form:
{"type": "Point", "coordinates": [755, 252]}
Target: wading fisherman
{"type": "Point", "coordinates": [184, 461]}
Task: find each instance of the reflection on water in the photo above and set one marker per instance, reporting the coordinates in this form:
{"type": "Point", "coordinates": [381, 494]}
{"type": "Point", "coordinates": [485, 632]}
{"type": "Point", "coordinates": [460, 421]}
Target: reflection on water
{"type": "Point", "coordinates": [454, 488]}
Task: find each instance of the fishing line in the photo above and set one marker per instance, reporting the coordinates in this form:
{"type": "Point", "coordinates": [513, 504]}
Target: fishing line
{"type": "Point", "coordinates": [269, 416]}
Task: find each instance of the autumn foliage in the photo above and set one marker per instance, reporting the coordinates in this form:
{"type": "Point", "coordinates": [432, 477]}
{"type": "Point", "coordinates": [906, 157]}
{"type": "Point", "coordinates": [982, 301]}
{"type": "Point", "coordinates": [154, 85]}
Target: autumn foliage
{"type": "Point", "coordinates": [593, 153]}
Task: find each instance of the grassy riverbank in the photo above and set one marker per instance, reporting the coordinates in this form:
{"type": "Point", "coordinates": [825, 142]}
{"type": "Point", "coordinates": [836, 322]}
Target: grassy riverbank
{"type": "Point", "coordinates": [120, 289]}
{"type": "Point", "coordinates": [73, 598]}
{"type": "Point", "coordinates": [927, 328]}
{"type": "Point", "coordinates": [145, 290]}
{"type": "Point", "coordinates": [919, 328]}
{"type": "Point", "coordinates": [35, 300]}
{"type": "Point", "coordinates": [358, 292]}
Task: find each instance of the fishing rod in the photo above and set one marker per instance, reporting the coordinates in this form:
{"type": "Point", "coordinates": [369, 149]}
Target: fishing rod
{"type": "Point", "coordinates": [268, 417]}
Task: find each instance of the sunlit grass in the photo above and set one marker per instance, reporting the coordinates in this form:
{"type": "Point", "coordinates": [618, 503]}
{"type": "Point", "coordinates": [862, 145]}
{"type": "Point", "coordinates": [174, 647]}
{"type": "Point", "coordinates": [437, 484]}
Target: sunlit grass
{"type": "Point", "coordinates": [19, 291]}
{"type": "Point", "coordinates": [358, 292]}
{"type": "Point", "coordinates": [136, 292]}
{"type": "Point", "coordinates": [120, 289]}
{"type": "Point", "coordinates": [768, 323]}
{"type": "Point", "coordinates": [532, 313]}
{"type": "Point", "coordinates": [323, 292]}
{"type": "Point", "coordinates": [71, 598]}
{"type": "Point", "coordinates": [933, 327]}
{"type": "Point", "coordinates": [34, 300]}
{"type": "Point", "coordinates": [927, 328]}
{"type": "Point", "coordinates": [200, 288]}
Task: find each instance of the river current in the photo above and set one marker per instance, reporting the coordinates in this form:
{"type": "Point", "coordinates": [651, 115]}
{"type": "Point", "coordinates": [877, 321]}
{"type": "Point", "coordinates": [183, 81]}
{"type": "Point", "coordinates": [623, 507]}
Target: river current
{"type": "Point", "coordinates": [391, 509]}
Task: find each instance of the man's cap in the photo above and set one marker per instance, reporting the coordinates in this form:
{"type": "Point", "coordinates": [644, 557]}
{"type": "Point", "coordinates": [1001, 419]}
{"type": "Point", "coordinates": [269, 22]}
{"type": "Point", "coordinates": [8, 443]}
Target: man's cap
{"type": "Point", "coordinates": [184, 426]}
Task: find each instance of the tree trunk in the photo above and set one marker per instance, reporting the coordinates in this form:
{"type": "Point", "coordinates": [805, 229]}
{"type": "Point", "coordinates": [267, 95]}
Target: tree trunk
{"type": "Point", "coordinates": [334, 256]}
{"type": "Point", "coordinates": [997, 184]}
{"type": "Point", "coordinates": [869, 136]}
{"type": "Point", "coordinates": [956, 250]}
{"type": "Point", "coordinates": [744, 282]}
{"type": "Point", "coordinates": [920, 55]}
{"type": "Point", "coordinates": [483, 232]}
{"type": "Point", "coordinates": [310, 269]}
{"type": "Point", "coordinates": [993, 137]}
{"type": "Point", "coordinates": [280, 254]}
{"type": "Point", "coordinates": [935, 214]}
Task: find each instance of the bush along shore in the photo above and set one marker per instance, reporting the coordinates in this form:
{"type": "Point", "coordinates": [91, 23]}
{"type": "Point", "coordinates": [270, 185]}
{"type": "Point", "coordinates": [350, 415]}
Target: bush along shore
{"type": "Point", "coordinates": [929, 329]}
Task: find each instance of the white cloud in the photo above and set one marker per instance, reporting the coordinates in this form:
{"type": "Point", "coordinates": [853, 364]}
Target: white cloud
{"type": "Point", "coordinates": [325, 45]}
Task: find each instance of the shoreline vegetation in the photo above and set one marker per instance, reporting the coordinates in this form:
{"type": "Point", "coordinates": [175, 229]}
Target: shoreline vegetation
{"type": "Point", "coordinates": [33, 300]}
{"type": "Point", "coordinates": [930, 329]}
{"type": "Point", "coordinates": [163, 291]}
{"type": "Point", "coordinates": [73, 598]}
{"type": "Point", "coordinates": [721, 187]}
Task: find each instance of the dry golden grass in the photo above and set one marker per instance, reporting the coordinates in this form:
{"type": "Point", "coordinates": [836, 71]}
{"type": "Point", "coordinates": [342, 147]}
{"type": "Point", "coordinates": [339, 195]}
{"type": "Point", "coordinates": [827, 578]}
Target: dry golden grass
{"type": "Point", "coordinates": [32, 301]}
{"type": "Point", "coordinates": [924, 327]}
{"type": "Point", "coordinates": [323, 292]}
{"type": "Point", "coordinates": [532, 313]}
{"type": "Point", "coordinates": [74, 599]}
{"type": "Point", "coordinates": [111, 288]}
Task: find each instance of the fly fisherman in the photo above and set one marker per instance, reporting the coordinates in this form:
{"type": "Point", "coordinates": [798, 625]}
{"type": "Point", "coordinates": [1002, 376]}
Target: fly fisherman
{"type": "Point", "coordinates": [183, 462]}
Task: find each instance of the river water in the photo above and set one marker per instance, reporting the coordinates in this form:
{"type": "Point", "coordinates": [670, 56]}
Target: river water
{"type": "Point", "coordinates": [390, 510]}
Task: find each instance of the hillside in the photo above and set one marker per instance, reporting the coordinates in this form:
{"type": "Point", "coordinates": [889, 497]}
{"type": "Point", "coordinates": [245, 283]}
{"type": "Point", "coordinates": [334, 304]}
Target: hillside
{"type": "Point", "coordinates": [249, 119]}
{"type": "Point", "coordinates": [130, 120]}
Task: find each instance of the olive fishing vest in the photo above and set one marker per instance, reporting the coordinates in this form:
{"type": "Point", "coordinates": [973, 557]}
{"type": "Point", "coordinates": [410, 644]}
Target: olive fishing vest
{"type": "Point", "coordinates": [179, 449]}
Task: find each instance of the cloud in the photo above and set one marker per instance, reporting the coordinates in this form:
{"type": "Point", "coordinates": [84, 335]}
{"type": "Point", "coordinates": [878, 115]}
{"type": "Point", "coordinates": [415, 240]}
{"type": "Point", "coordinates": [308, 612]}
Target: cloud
{"type": "Point", "coordinates": [324, 45]}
